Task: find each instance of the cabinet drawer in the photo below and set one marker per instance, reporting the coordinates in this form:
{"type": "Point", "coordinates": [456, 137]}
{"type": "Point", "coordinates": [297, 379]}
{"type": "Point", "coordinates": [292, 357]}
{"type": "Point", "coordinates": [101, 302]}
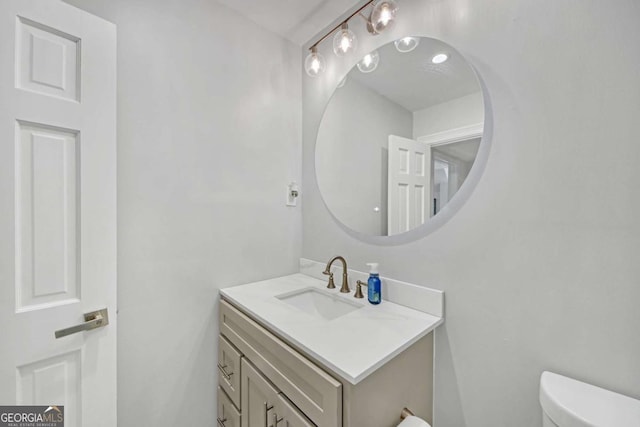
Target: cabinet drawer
{"type": "Point", "coordinates": [228, 415]}
{"type": "Point", "coordinates": [311, 389]}
{"type": "Point", "coordinates": [229, 369]}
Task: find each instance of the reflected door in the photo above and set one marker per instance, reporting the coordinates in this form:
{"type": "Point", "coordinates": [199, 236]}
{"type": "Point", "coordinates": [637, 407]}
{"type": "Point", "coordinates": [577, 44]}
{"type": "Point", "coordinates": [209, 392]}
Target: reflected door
{"type": "Point", "coordinates": [409, 189]}
{"type": "Point", "coordinates": [451, 164]}
{"type": "Point", "coordinates": [57, 209]}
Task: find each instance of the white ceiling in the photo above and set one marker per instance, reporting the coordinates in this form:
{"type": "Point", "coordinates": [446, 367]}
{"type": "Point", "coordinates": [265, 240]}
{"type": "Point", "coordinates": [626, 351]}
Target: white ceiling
{"type": "Point", "coordinates": [296, 20]}
{"type": "Point", "coordinates": [463, 150]}
{"type": "Point", "coordinates": [423, 83]}
{"type": "Point", "coordinates": [413, 81]}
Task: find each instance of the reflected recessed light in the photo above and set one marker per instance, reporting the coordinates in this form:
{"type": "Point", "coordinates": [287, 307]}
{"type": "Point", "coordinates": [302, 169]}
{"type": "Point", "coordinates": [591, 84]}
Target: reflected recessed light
{"type": "Point", "coordinates": [439, 58]}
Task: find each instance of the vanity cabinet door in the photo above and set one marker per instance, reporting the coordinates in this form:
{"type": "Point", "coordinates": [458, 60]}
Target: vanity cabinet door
{"type": "Point", "coordinates": [229, 369]}
{"type": "Point", "coordinates": [287, 415]}
{"type": "Point", "coordinates": [258, 398]}
{"type": "Point", "coordinates": [312, 390]}
{"type": "Point", "coordinates": [228, 415]}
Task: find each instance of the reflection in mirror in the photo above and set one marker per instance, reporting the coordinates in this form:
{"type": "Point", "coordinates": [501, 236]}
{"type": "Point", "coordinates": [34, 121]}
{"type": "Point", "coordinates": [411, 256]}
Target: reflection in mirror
{"type": "Point", "coordinates": [451, 165]}
{"type": "Point", "coordinates": [396, 144]}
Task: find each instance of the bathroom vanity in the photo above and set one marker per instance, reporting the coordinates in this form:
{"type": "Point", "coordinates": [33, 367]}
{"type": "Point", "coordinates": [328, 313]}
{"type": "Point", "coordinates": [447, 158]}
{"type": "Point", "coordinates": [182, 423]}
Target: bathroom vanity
{"type": "Point", "coordinates": [293, 353]}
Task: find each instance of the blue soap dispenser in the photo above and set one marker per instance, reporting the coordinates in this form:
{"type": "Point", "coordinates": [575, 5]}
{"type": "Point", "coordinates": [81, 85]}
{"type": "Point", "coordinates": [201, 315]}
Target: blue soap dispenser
{"type": "Point", "coordinates": [374, 286]}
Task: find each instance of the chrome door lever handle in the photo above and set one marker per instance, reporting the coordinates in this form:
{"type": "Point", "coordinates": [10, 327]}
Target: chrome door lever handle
{"type": "Point", "coordinates": [92, 320]}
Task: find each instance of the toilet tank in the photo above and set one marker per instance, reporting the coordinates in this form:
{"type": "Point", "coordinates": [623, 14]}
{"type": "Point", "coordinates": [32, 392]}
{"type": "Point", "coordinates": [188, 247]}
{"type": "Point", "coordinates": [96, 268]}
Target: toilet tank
{"type": "Point", "coordinates": [570, 403]}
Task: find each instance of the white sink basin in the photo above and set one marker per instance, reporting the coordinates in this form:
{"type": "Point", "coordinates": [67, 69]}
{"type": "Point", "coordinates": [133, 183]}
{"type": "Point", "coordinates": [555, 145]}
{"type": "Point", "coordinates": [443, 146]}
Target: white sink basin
{"type": "Point", "coordinates": [318, 303]}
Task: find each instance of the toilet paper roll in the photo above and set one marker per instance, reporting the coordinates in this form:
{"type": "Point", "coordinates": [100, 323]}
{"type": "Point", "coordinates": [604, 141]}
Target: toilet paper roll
{"type": "Point", "coordinates": [412, 421]}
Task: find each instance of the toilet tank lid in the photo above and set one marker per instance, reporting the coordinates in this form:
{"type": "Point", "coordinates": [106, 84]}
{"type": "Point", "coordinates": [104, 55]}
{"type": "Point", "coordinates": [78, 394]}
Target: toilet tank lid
{"type": "Point", "coordinates": [571, 403]}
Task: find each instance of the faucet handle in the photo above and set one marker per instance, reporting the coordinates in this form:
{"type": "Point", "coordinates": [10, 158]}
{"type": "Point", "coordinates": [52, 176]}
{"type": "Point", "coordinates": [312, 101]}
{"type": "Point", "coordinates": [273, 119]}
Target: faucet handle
{"type": "Point", "coordinates": [359, 285]}
{"type": "Point", "coordinates": [330, 285]}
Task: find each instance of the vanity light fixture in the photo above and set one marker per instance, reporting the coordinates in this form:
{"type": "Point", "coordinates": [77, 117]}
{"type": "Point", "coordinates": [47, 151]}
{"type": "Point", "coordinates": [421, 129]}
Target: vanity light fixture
{"type": "Point", "coordinates": [370, 62]}
{"type": "Point", "coordinates": [440, 58]}
{"type": "Point", "coordinates": [345, 41]}
{"type": "Point", "coordinates": [314, 64]}
{"type": "Point", "coordinates": [383, 14]}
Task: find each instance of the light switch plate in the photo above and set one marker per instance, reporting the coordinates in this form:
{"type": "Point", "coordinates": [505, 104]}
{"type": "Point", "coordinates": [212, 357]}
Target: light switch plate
{"type": "Point", "coordinates": [292, 194]}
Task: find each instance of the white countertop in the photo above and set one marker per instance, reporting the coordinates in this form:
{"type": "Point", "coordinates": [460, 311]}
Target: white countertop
{"type": "Point", "coordinates": [353, 345]}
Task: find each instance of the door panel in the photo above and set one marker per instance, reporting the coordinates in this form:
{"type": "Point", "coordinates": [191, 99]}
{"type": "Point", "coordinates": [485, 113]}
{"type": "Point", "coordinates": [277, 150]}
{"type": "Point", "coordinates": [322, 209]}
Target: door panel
{"type": "Point", "coordinates": [46, 216]}
{"type": "Point", "coordinates": [409, 189]}
{"type": "Point", "coordinates": [56, 379]}
{"type": "Point", "coordinates": [48, 60]}
{"type": "Point", "coordinates": [57, 208]}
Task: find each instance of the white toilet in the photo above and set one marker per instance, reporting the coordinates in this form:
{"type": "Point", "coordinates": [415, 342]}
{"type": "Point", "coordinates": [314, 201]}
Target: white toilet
{"type": "Point", "coordinates": [414, 422]}
{"type": "Point", "coordinates": [410, 420]}
{"type": "Point", "coordinates": [570, 403]}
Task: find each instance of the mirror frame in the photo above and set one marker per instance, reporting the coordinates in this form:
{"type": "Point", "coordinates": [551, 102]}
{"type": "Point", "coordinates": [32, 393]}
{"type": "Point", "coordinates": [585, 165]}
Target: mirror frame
{"type": "Point", "coordinates": [462, 195]}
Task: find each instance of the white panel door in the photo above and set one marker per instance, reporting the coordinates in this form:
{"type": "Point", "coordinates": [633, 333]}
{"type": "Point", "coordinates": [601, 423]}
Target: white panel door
{"type": "Point", "coordinates": [409, 190]}
{"type": "Point", "coordinates": [57, 209]}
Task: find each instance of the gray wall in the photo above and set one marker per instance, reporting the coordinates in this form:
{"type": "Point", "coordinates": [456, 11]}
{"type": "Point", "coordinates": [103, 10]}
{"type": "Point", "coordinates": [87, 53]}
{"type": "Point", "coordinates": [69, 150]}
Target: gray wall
{"type": "Point", "coordinates": [540, 266]}
{"type": "Point", "coordinates": [351, 159]}
{"type": "Point", "coordinates": [208, 137]}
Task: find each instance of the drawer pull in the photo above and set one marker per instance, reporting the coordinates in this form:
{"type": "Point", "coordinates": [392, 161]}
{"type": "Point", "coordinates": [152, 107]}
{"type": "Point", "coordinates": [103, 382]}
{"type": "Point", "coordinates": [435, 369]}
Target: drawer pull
{"type": "Point", "coordinates": [221, 422]}
{"type": "Point", "coordinates": [267, 408]}
{"type": "Point", "coordinates": [276, 420]}
{"type": "Point", "coordinates": [225, 374]}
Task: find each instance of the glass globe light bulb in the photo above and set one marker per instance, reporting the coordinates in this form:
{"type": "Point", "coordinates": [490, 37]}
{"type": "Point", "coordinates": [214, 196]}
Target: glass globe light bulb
{"type": "Point", "coordinates": [407, 44]}
{"type": "Point", "coordinates": [370, 62]}
{"type": "Point", "coordinates": [383, 15]}
{"type": "Point", "coordinates": [314, 63]}
{"type": "Point", "coordinates": [344, 41]}
{"type": "Point", "coordinates": [342, 82]}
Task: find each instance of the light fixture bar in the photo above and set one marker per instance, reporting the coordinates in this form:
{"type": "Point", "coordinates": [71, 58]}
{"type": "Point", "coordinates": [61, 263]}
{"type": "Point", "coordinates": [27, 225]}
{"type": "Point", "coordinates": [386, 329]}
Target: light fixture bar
{"type": "Point", "coordinates": [341, 24]}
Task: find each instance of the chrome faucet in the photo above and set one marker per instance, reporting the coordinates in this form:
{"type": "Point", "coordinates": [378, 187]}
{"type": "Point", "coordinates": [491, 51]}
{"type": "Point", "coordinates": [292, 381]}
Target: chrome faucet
{"type": "Point", "coordinates": [345, 280]}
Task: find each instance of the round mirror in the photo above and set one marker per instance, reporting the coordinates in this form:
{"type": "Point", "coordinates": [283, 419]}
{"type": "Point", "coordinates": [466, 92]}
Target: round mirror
{"type": "Point", "coordinates": [397, 142]}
